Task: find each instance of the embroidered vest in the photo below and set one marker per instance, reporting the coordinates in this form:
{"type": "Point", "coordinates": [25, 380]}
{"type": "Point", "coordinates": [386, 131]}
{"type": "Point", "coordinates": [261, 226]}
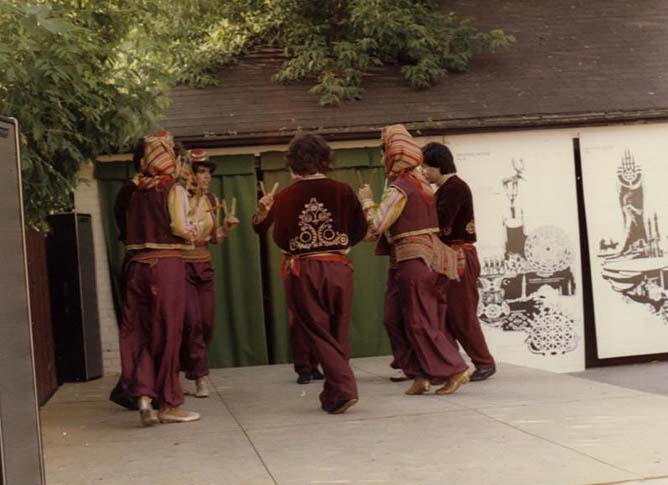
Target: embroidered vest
{"type": "Point", "coordinates": [148, 221]}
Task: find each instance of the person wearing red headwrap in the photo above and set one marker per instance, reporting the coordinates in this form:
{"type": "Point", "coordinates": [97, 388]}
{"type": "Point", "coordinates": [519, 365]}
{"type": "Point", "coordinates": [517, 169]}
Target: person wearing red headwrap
{"type": "Point", "coordinates": [200, 277]}
{"type": "Point", "coordinates": [157, 234]}
{"type": "Point", "coordinates": [406, 224]}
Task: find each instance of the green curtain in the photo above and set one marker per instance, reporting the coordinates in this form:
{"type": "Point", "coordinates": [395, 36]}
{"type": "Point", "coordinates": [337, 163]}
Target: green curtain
{"type": "Point", "coordinates": [239, 336]}
{"type": "Point", "coordinates": [111, 177]}
{"type": "Point", "coordinates": [367, 335]}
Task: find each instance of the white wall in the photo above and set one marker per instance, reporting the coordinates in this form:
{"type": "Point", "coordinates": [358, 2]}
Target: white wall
{"type": "Point", "coordinates": [87, 201]}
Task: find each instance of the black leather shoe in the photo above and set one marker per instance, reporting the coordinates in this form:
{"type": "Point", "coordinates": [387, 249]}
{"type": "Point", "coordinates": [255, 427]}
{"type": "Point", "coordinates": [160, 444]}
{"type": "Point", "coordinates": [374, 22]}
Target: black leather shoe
{"type": "Point", "coordinates": [316, 375]}
{"type": "Point", "coordinates": [482, 373]}
{"type": "Point", "coordinates": [304, 379]}
{"type": "Point", "coordinates": [117, 396]}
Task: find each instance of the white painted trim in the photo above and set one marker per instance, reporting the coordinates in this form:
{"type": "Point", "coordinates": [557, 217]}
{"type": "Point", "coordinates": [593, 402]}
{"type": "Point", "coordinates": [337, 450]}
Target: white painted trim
{"type": "Point", "coordinates": [252, 150]}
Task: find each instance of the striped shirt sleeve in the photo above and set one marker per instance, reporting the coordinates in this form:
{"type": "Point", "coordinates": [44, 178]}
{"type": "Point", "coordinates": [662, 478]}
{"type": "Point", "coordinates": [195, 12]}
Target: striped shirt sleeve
{"type": "Point", "coordinates": [180, 223]}
{"type": "Point", "coordinates": [381, 217]}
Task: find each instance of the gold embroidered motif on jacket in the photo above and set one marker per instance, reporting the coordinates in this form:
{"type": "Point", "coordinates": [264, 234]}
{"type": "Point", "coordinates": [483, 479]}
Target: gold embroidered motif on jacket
{"type": "Point", "coordinates": [470, 227]}
{"type": "Point", "coordinates": [315, 229]}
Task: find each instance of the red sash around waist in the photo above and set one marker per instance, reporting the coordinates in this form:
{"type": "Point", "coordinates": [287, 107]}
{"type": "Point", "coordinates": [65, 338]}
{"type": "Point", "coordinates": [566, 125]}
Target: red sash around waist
{"type": "Point", "coordinates": [290, 264]}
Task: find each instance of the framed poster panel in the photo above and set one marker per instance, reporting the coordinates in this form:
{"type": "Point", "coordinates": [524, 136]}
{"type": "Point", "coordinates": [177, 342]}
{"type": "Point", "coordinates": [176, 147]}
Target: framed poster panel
{"type": "Point", "coordinates": [624, 172]}
{"type": "Point", "coordinates": [526, 219]}
{"type": "Point", "coordinates": [20, 442]}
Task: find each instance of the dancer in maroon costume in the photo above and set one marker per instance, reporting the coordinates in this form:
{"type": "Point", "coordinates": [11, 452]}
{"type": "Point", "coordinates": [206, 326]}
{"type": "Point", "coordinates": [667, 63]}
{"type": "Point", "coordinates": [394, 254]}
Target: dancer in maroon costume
{"type": "Point", "coordinates": [407, 224]}
{"type": "Point", "coordinates": [316, 222]}
{"type": "Point", "coordinates": [200, 289]}
{"type": "Point", "coordinates": [457, 229]}
{"type": "Point", "coordinates": [154, 306]}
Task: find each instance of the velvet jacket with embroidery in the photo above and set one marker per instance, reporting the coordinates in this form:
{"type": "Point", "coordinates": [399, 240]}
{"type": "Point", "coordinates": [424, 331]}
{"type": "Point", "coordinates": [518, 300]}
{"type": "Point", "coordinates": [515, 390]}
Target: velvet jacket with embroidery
{"type": "Point", "coordinates": [454, 203]}
{"type": "Point", "coordinates": [315, 215]}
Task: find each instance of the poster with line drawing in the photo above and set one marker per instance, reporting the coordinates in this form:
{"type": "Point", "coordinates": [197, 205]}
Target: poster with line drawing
{"type": "Point", "coordinates": [624, 173]}
{"type": "Point", "coordinates": [528, 241]}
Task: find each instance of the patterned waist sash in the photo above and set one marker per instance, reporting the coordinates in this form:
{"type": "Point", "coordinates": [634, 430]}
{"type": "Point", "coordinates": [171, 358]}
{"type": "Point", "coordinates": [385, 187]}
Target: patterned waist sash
{"type": "Point", "coordinates": [151, 255]}
{"type": "Point", "coordinates": [461, 248]}
{"type": "Point", "coordinates": [464, 246]}
{"type": "Point", "coordinates": [438, 256]}
{"type": "Point", "coordinates": [197, 255]}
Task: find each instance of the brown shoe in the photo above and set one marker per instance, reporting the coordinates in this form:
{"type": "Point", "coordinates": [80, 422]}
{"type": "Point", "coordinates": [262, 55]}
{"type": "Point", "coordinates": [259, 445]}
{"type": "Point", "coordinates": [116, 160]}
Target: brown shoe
{"type": "Point", "coordinates": [455, 382]}
{"type": "Point", "coordinates": [420, 386]}
{"type": "Point", "coordinates": [343, 406]}
{"type": "Point", "coordinates": [177, 415]}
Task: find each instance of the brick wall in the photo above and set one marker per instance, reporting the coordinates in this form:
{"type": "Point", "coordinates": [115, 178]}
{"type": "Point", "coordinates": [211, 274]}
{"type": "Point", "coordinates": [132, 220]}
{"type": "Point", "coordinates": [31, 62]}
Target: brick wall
{"type": "Point", "coordinates": [87, 201]}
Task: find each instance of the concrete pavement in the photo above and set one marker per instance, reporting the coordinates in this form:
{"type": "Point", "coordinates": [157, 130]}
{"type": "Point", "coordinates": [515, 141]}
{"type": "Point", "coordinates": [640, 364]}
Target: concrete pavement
{"type": "Point", "coordinates": [523, 426]}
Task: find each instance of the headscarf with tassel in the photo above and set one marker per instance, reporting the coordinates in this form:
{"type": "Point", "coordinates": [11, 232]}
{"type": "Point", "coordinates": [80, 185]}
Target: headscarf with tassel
{"type": "Point", "coordinates": [402, 156]}
{"type": "Point", "coordinates": [159, 164]}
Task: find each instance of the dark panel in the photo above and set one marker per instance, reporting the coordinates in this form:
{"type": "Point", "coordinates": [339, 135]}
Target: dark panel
{"type": "Point", "coordinates": [76, 327]}
{"type": "Point", "coordinates": [90, 319]}
{"type": "Point", "coordinates": [19, 424]}
{"type": "Point", "coordinates": [40, 312]}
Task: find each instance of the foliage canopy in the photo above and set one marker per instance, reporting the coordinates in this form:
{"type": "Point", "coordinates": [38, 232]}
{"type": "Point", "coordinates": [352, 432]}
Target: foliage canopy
{"type": "Point", "coordinates": [87, 77]}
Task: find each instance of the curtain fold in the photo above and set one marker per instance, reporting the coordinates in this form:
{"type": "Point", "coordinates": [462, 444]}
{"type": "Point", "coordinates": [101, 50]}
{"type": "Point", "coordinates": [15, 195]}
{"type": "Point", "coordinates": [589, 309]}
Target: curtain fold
{"type": "Point", "coordinates": [367, 334]}
{"type": "Point", "coordinates": [239, 336]}
{"type": "Point", "coordinates": [243, 334]}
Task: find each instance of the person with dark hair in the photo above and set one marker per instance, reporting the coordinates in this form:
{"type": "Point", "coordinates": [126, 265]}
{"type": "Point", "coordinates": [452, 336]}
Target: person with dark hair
{"type": "Point", "coordinates": [316, 222]}
{"type": "Point", "coordinates": [407, 225]}
{"type": "Point", "coordinates": [454, 203]}
{"type": "Point", "coordinates": [158, 232]}
{"type": "Point", "coordinates": [200, 277]}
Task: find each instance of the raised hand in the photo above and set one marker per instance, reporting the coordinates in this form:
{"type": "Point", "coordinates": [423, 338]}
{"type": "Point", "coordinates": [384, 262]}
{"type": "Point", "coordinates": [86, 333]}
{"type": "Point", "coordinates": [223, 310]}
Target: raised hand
{"type": "Point", "coordinates": [267, 201]}
{"type": "Point", "coordinates": [365, 193]}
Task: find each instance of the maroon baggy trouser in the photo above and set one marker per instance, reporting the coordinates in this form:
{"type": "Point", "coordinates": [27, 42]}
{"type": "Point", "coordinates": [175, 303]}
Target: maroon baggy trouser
{"type": "Point", "coordinates": [200, 314]}
{"type": "Point", "coordinates": [151, 330]}
{"type": "Point", "coordinates": [320, 298]}
{"type": "Point", "coordinates": [303, 356]}
{"type": "Point", "coordinates": [462, 312]}
{"type": "Point", "coordinates": [412, 313]}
